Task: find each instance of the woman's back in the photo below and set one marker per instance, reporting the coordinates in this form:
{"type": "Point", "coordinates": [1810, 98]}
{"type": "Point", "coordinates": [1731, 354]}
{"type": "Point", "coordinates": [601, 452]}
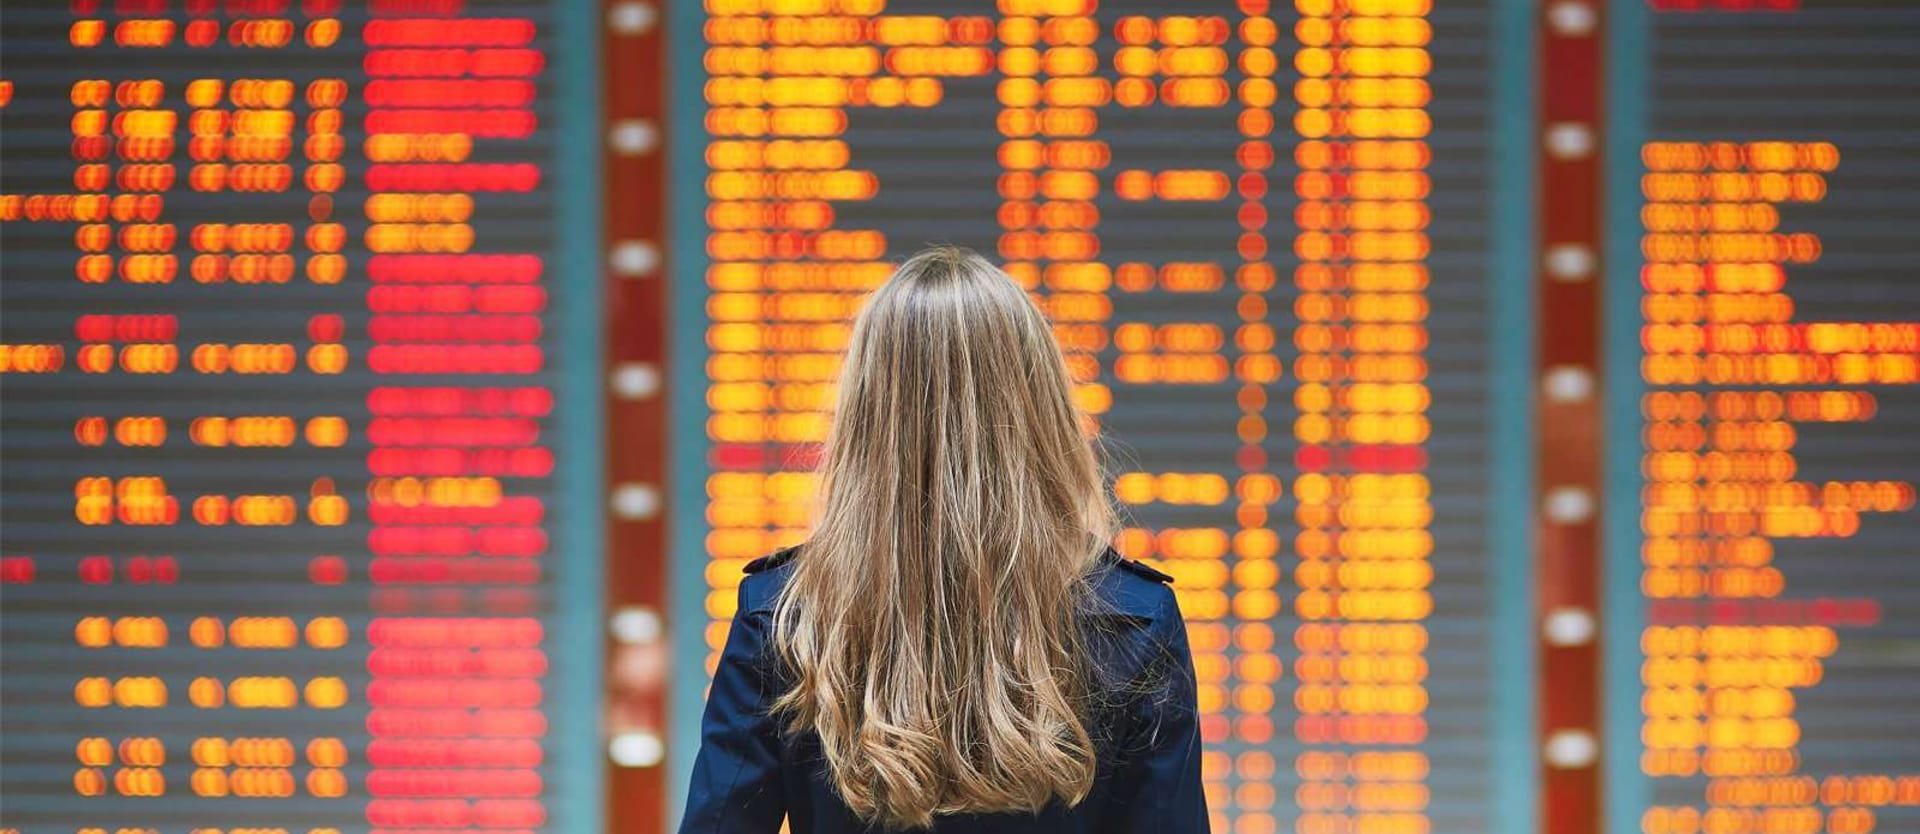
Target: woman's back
{"type": "Point", "coordinates": [749, 775]}
{"type": "Point", "coordinates": [957, 646]}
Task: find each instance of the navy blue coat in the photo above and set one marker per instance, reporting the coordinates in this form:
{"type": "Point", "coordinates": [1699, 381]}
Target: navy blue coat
{"type": "Point", "coordinates": [750, 773]}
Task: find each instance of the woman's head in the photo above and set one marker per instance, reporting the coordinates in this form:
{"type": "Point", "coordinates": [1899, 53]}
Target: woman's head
{"type": "Point", "coordinates": [930, 621]}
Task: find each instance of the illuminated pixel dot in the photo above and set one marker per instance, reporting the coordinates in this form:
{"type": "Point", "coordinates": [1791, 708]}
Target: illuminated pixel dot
{"type": "Point", "coordinates": [1571, 749]}
{"type": "Point", "coordinates": [1569, 140]}
{"type": "Point", "coordinates": [1568, 627]}
{"type": "Point", "coordinates": [636, 749]}
{"type": "Point", "coordinates": [634, 258]}
{"type": "Point", "coordinates": [636, 501]}
{"type": "Point", "coordinates": [1572, 18]}
{"type": "Point", "coordinates": [1569, 262]}
{"type": "Point", "coordinates": [1569, 384]}
{"type": "Point", "coordinates": [632, 17]}
{"type": "Point", "coordinates": [635, 380]}
{"type": "Point", "coordinates": [633, 137]}
{"type": "Point", "coordinates": [1569, 505]}
{"type": "Point", "coordinates": [635, 624]}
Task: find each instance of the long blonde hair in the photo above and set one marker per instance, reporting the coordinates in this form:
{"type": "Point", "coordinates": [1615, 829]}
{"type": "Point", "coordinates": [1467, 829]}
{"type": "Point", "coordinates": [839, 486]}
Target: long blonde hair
{"type": "Point", "coordinates": [931, 621]}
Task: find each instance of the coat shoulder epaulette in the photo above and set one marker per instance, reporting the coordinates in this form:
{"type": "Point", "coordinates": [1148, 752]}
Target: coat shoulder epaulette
{"type": "Point", "coordinates": [1135, 568]}
{"type": "Point", "coordinates": [771, 560]}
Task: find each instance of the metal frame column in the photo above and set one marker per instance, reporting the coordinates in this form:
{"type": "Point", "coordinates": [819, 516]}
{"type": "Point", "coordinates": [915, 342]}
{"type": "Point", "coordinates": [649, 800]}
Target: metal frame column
{"type": "Point", "coordinates": [1568, 429]}
{"type": "Point", "coordinates": [634, 306]}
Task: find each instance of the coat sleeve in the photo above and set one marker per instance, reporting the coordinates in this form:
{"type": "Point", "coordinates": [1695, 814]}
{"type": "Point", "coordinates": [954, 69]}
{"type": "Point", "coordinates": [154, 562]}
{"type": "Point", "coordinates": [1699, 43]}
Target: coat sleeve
{"type": "Point", "coordinates": [1164, 792]}
{"type": "Point", "coordinates": [736, 786]}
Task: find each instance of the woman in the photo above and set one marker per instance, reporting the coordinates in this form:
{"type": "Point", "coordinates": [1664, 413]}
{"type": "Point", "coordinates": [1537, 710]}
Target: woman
{"type": "Point", "coordinates": [955, 648]}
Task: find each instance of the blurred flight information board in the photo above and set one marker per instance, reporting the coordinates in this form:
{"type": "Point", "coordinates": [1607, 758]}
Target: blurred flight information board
{"type": "Point", "coordinates": [280, 369]}
{"type": "Point", "coordinates": [1780, 325]}
{"type": "Point", "coordinates": [1261, 230]}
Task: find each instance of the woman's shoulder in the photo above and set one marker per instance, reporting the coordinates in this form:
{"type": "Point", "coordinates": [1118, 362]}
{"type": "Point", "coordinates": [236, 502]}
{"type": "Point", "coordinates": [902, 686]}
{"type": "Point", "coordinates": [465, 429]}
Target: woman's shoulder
{"type": "Point", "coordinates": [776, 559]}
{"type": "Point", "coordinates": [763, 577]}
{"type": "Point", "coordinates": [1133, 588]}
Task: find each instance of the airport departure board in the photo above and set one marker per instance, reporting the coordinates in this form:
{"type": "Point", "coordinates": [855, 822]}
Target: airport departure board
{"type": "Point", "coordinates": [1261, 230]}
{"type": "Point", "coordinates": [281, 370]}
{"type": "Point", "coordinates": [292, 316]}
{"type": "Point", "coordinates": [1779, 191]}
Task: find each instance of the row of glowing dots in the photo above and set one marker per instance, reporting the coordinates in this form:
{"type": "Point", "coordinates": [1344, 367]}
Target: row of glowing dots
{"type": "Point", "coordinates": [265, 431]}
{"type": "Point", "coordinates": [246, 358]}
{"type": "Point", "coordinates": [814, 291]}
{"type": "Point", "coordinates": [1751, 324]}
{"type": "Point", "coordinates": [725, 27]}
{"type": "Point", "coordinates": [210, 237]}
{"type": "Point", "coordinates": [258, 136]}
{"type": "Point", "coordinates": [239, 830]}
{"type": "Point", "coordinates": [1662, 819]}
{"type": "Point", "coordinates": [1072, 118]}
{"type": "Point", "coordinates": [749, 393]}
{"type": "Point", "coordinates": [1677, 486]}
{"type": "Point", "coordinates": [1040, 8]}
{"type": "Point", "coordinates": [324, 239]}
{"type": "Point", "coordinates": [1746, 515]}
{"type": "Point", "coordinates": [394, 231]}
{"type": "Point", "coordinates": [1371, 500]}
{"type": "Point", "coordinates": [212, 632]}
{"type": "Point", "coordinates": [144, 501]}
{"type": "Point", "coordinates": [1744, 314]}
{"type": "Point", "coordinates": [246, 94]}
{"type": "Point", "coordinates": [246, 268]}
{"type": "Point", "coordinates": [258, 692]}
{"type": "Point", "coordinates": [147, 751]}
{"type": "Point", "coordinates": [261, 783]}
{"type": "Point", "coordinates": [1386, 174]}
{"type": "Point", "coordinates": [803, 279]}
{"type": "Point", "coordinates": [1870, 790]}
{"type": "Point", "coordinates": [150, 33]}
{"type": "Point", "coordinates": [1781, 369]}
{"type": "Point", "coordinates": [320, 269]}
{"type": "Point", "coordinates": [1189, 45]}
{"type": "Point", "coordinates": [747, 322]}
{"type": "Point", "coordinates": [844, 27]}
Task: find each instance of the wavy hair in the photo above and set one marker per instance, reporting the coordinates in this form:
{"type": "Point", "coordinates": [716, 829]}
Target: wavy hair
{"type": "Point", "coordinates": [932, 619]}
